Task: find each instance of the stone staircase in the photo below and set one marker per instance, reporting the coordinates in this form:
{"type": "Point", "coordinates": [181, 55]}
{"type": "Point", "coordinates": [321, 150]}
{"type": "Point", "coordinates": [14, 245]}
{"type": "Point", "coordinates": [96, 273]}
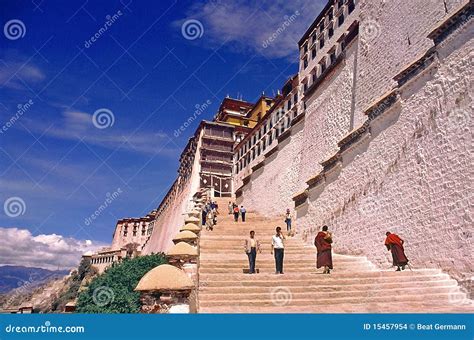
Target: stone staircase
{"type": "Point", "coordinates": [354, 286]}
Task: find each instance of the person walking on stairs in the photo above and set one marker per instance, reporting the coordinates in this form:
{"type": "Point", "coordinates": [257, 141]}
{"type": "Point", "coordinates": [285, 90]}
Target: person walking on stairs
{"type": "Point", "coordinates": [231, 208]}
{"type": "Point", "coordinates": [252, 246]}
{"type": "Point", "coordinates": [242, 212]}
{"type": "Point", "coordinates": [236, 213]}
{"type": "Point", "coordinates": [210, 221]}
{"type": "Point", "coordinates": [395, 244]}
{"type": "Point", "coordinates": [323, 241]}
{"type": "Point", "coordinates": [203, 217]}
{"type": "Point", "coordinates": [278, 248]}
{"type": "Point", "coordinates": [288, 221]}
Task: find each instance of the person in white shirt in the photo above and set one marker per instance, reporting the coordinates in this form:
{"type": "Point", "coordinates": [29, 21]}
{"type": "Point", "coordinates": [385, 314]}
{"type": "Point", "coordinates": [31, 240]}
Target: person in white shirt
{"type": "Point", "coordinates": [278, 248]}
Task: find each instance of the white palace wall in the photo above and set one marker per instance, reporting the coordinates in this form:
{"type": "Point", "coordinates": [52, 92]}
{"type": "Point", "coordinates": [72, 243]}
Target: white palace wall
{"type": "Point", "coordinates": [410, 169]}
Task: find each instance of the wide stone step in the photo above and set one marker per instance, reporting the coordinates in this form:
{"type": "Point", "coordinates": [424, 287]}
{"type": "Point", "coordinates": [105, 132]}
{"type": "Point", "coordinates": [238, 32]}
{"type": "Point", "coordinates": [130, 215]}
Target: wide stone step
{"type": "Point", "coordinates": [268, 257]}
{"type": "Point", "coordinates": [270, 263]}
{"type": "Point", "coordinates": [319, 280]}
{"type": "Point", "coordinates": [301, 287]}
{"type": "Point", "coordinates": [322, 301]}
{"type": "Point", "coordinates": [276, 293]}
{"type": "Point", "coordinates": [291, 267]}
{"type": "Point", "coordinates": [316, 275]}
{"type": "Point", "coordinates": [373, 307]}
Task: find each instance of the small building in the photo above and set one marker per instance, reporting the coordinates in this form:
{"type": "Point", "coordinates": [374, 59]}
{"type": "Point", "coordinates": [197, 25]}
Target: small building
{"type": "Point", "coordinates": [165, 288]}
{"type": "Point", "coordinates": [70, 307]}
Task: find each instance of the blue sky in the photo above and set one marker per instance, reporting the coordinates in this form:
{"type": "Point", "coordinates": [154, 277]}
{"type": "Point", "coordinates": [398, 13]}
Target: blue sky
{"type": "Point", "coordinates": [146, 74]}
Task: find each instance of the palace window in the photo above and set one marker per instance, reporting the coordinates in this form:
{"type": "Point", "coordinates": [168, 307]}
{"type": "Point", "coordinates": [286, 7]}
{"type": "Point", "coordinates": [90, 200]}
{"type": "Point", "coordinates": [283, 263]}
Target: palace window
{"type": "Point", "coordinates": [321, 43]}
{"type": "Point", "coordinates": [351, 6]}
{"type": "Point", "coordinates": [295, 97]}
{"type": "Point", "coordinates": [340, 19]}
{"type": "Point", "coordinates": [332, 57]}
{"type": "Point", "coordinates": [330, 15]}
{"type": "Point", "coordinates": [305, 62]}
{"type": "Point", "coordinates": [331, 31]}
{"type": "Point", "coordinates": [322, 64]}
{"type": "Point", "coordinates": [313, 53]}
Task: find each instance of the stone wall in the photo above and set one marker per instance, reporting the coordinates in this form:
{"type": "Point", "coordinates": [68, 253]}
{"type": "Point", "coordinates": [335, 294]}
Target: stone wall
{"type": "Point", "coordinates": [170, 220]}
{"type": "Point", "coordinates": [411, 171]}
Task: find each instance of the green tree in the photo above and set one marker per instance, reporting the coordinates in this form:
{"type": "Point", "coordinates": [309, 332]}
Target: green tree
{"type": "Point", "coordinates": [113, 291]}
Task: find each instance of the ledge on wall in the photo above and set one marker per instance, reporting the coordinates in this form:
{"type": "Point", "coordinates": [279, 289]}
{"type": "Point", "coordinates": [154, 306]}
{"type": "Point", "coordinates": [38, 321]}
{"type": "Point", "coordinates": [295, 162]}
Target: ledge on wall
{"type": "Point", "coordinates": [332, 161]}
{"type": "Point", "coordinates": [461, 15]}
{"type": "Point", "coordinates": [258, 165]}
{"type": "Point", "coordinates": [284, 135]}
{"type": "Point", "coordinates": [382, 104]}
{"type": "Point", "coordinates": [416, 67]}
{"type": "Point", "coordinates": [300, 198]}
{"type": "Point", "coordinates": [298, 118]}
{"type": "Point", "coordinates": [354, 136]}
{"type": "Point", "coordinates": [316, 180]}
{"type": "Point", "coordinates": [271, 151]}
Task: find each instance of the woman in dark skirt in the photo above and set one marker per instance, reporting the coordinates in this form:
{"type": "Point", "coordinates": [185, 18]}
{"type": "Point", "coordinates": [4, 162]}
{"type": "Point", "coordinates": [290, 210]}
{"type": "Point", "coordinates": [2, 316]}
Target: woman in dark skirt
{"type": "Point", "coordinates": [323, 242]}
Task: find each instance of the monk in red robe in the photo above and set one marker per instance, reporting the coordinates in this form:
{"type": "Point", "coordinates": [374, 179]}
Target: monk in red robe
{"type": "Point", "coordinates": [323, 242]}
{"type": "Point", "coordinates": [395, 244]}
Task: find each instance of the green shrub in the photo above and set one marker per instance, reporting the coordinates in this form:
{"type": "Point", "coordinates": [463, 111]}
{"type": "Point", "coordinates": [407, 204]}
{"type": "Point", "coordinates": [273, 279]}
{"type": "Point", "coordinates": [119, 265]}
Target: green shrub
{"type": "Point", "coordinates": [112, 292]}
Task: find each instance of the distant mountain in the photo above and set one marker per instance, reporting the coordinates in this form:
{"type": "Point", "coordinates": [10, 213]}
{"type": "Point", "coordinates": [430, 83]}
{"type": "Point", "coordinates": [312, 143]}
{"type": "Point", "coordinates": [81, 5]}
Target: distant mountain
{"type": "Point", "coordinates": [12, 277]}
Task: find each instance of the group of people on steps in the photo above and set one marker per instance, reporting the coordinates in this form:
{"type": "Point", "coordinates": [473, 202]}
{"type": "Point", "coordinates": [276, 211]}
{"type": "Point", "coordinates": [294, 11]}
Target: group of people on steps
{"type": "Point", "coordinates": [323, 242]}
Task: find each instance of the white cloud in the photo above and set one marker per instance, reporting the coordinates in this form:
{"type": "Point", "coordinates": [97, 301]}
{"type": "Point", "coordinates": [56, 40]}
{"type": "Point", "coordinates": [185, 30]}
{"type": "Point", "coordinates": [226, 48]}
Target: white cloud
{"type": "Point", "coordinates": [247, 25]}
{"type": "Point", "coordinates": [14, 75]}
{"type": "Point", "coordinates": [77, 125]}
{"type": "Point", "coordinates": [19, 247]}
